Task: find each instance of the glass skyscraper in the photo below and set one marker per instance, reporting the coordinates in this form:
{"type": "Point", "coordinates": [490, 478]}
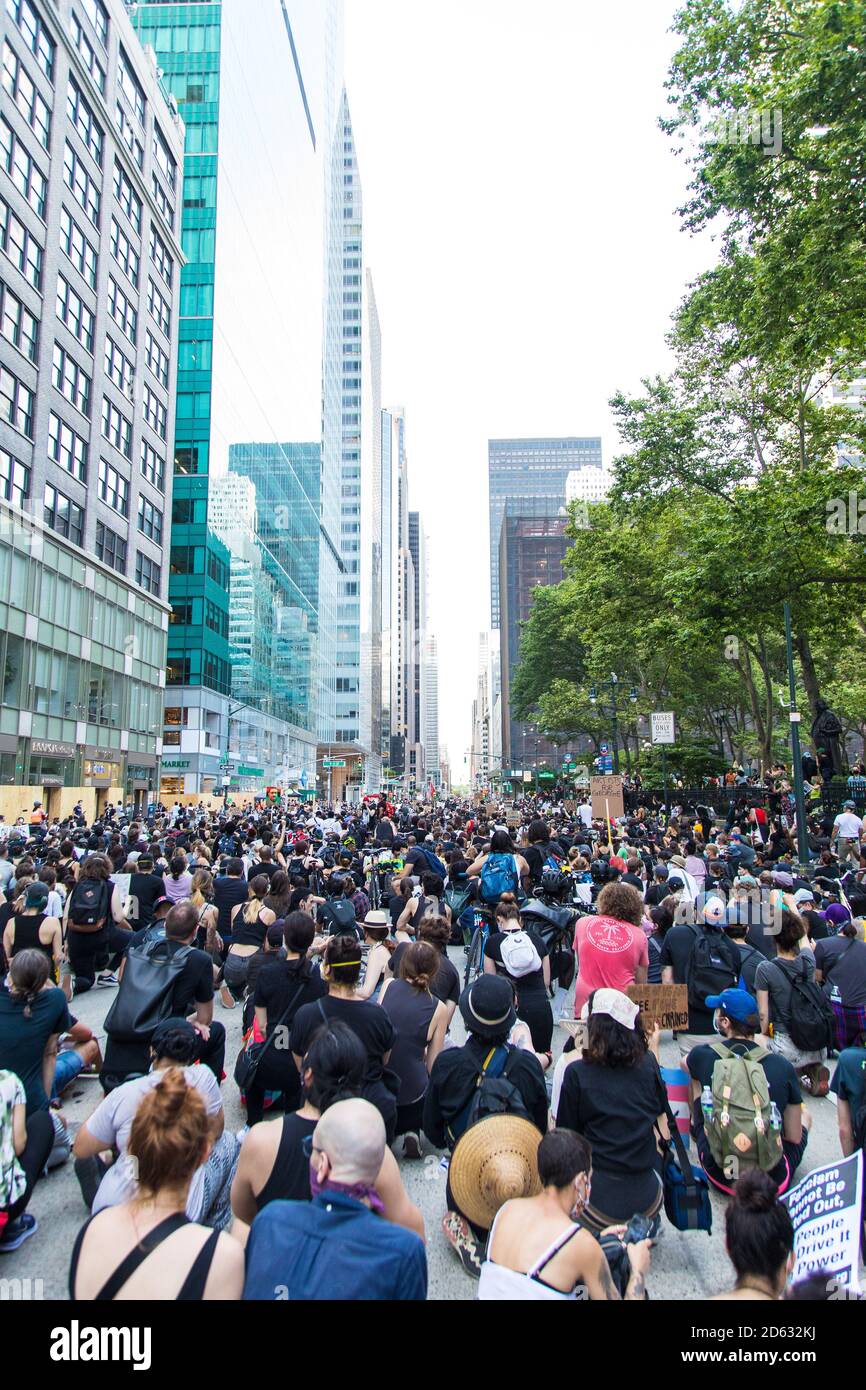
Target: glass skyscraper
{"type": "Point", "coordinates": [526, 471]}
{"type": "Point", "coordinates": [258, 84]}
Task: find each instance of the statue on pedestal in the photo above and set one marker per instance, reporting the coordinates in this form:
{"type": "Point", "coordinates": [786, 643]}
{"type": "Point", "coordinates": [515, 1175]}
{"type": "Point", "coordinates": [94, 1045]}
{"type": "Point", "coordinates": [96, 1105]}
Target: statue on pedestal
{"type": "Point", "coordinates": [827, 733]}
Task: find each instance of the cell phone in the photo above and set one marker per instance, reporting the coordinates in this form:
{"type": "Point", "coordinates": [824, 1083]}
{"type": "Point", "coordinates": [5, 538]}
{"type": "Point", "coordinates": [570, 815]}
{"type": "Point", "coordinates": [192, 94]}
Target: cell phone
{"type": "Point", "coordinates": [641, 1228]}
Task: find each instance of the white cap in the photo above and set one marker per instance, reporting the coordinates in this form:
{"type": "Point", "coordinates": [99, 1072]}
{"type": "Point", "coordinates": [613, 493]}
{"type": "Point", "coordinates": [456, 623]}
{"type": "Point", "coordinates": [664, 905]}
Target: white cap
{"type": "Point", "coordinates": [613, 1003]}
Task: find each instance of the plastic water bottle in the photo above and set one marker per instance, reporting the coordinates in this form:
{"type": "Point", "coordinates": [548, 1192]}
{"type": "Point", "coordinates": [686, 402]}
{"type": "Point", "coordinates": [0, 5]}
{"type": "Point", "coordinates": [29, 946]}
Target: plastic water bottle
{"type": "Point", "coordinates": [775, 1117]}
{"type": "Point", "coordinates": [707, 1103]}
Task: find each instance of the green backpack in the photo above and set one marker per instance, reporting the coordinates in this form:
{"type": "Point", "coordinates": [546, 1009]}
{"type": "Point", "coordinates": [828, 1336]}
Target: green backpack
{"type": "Point", "coordinates": [739, 1131]}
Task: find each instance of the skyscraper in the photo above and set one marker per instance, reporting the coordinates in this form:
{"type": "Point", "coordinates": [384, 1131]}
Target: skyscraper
{"type": "Point", "coordinates": [526, 472]}
{"type": "Point", "coordinates": [260, 331]}
{"type": "Point", "coordinates": [92, 155]}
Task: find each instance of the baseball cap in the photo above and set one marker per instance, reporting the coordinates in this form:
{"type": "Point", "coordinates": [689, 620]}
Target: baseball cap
{"type": "Point", "coordinates": [161, 902]}
{"type": "Point", "coordinates": [736, 1003]}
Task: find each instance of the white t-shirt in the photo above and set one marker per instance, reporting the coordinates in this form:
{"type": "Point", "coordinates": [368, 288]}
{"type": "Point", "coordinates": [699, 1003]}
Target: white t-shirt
{"type": "Point", "coordinates": [585, 814]}
{"type": "Point", "coordinates": [848, 825]}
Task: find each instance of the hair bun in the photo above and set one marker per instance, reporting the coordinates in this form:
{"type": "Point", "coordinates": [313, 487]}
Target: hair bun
{"type": "Point", "coordinates": [755, 1191]}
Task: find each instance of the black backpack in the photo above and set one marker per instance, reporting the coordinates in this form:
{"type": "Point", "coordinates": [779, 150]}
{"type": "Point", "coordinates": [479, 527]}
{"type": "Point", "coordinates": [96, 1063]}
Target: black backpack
{"type": "Point", "coordinates": [146, 993]}
{"type": "Point", "coordinates": [89, 904]}
{"type": "Point", "coordinates": [338, 917]}
{"type": "Point", "coordinates": [811, 1021]}
{"type": "Point", "coordinates": [493, 1093]}
{"type": "Point", "coordinates": [711, 966]}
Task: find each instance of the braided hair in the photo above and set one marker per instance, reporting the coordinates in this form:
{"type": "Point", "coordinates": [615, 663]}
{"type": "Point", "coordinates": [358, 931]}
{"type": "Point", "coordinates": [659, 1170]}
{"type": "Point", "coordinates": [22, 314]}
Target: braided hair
{"type": "Point", "coordinates": [27, 976]}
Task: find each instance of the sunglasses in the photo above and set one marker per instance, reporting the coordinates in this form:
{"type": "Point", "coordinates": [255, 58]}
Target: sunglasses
{"type": "Point", "coordinates": [308, 1148]}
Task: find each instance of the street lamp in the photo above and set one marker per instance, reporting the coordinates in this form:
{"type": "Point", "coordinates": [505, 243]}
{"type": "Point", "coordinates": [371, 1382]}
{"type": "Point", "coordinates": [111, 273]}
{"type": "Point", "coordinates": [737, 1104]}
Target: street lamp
{"type": "Point", "coordinates": [613, 686]}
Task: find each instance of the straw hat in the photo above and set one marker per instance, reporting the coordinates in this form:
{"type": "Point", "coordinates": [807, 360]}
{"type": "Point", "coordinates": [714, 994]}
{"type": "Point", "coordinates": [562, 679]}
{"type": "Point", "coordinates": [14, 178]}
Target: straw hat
{"type": "Point", "coordinates": [492, 1162]}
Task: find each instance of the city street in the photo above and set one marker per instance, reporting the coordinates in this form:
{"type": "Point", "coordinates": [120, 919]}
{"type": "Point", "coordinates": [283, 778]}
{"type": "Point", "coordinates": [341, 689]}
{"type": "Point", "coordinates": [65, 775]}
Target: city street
{"type": "Point", "coordinates": [685, 1265]}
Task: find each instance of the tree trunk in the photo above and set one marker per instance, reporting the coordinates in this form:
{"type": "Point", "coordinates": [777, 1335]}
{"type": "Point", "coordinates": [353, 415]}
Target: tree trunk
{"type": "Point", "coordinates": [807, 667]}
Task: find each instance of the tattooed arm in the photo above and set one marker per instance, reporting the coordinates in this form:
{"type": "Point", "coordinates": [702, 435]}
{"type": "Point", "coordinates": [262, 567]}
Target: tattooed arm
{"type": "Point", "coordinates": [639, 1259]}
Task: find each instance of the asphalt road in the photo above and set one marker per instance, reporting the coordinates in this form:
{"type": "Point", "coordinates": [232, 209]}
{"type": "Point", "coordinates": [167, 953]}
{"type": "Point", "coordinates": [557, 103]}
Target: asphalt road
{"type": "Point", "coordinates": [686, 1265]}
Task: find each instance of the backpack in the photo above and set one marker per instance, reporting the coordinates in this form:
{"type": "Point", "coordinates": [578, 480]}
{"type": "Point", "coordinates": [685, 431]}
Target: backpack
{"type": "Point", "coordinates": [859, 1123]}
{"type": "Point", "coordinates": [338, 916]}
{"type": "Point", "coordinates": [499, 875]}
{"type": "Point", "coordinates": [745, 957]}
{"type": "Point", "coordinates": [146, 993]}
{"type": "Point", "coordinates": [711, 967]}
{"type": "Point", "coordinates": [552, 861]}
{"type": "Point", "coordinates": [519, 955]}
{"type": "Point", "coordinates": [434, 863]}
{"type": "Point", "coordinates": [89, 904]}
{"type": "Point", "coordinates": [739, 1131]}
{"type": "Point", "coordinates": [811, 1021]}
{"type": "Point", "coordinates": [493, 1093]}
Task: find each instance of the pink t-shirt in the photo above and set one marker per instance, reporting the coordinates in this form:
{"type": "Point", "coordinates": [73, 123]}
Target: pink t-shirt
{"type": "Point", "coordinates": [608, 952]}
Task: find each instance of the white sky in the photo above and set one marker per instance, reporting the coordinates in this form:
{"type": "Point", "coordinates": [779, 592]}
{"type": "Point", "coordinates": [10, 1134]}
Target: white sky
{"type": "Point", "coordinates": [520, 222]}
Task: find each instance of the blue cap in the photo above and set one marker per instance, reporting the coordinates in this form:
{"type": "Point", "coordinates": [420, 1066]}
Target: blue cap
{"type": "Point", "coordinates": [736, 1003]}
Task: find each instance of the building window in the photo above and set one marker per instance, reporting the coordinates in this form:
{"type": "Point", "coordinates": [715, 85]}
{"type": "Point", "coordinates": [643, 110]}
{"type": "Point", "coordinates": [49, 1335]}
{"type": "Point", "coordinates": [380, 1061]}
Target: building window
{"type": "Point", "coordinates": [163, 158]}
{"type": "Point", "coordinates": [118, 368]}
{"type": "Point", "coordinates": [76, 246]}
{"type": "Point", "coordinates": [20, 86]}
{"type": "Point", "coordinates": [116, 428]}
{"type": "Point", "coordinates": [14, 479]}
{"type": "Point", "coordinates": [149, 520]}
{"type": "Point", "coordinates": [71, 380]}
{"type": "Point", "coordinates": [128, 134]}
{"type": "Point", "coordinates": [126, 195]}
{"type": "Point", "coordinates": [122, 309]}
{"type": "Point", "coordinates": [24, 252]}
{"type": "Point", "coordinates": [17, 325]}
{"type": "Point", "coordinates": [113, 488]}
{"type": "Point", "coordinates": [22, 169]}
{"type": "Point", "coordinates": [156, 359]}
{"type": "Point", "coordinates": [124, 252]}
{"type": "Point", "coordinates": [110, 548]}
{"type": "Point", "coordinates": [34, 32]}
{"type": "Point", "coordinates": [154, 412]}
{"type": "Point", "coordinates": [98, 16]}
{"type": "Point", "coordinates": [161, 257]}
{"type": "Point", "coordinates": [67, 448]}
{"type": "Point", "coordinates": [161, 198]}
{"type": "Point", "coordinates": [87, 53]}
{"type": "Point", "coordinates": [73, 312]}
{"type": "Point", "coordinates": [63, 515]}
{"type": "Point", "coordinates": [84, 121]}
{"type": "Point", "coordinates": [186, 461]}
{"type": "Point", "coordinates": [159, 308]}
{"type": "Point", "coordinates": [130, 85]}
{"type": "Point", "coordinates": [147, 575]}
{"type": "Point", "coordinates": [152, 466]}
{"type": "Point", "coordinates": [81, 185]}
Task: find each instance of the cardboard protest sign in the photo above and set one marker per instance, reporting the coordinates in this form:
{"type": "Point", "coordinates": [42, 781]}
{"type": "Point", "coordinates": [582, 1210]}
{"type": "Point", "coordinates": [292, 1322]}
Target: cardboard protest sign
{"type": "Point", "coordinates": [513, 819]}
{"type": "Point", "coordinates": [606, 789]}
{"type": "Point", "coordinates": [667, 1005]}
{"type": "Point", "coordinates": [825, 1210]}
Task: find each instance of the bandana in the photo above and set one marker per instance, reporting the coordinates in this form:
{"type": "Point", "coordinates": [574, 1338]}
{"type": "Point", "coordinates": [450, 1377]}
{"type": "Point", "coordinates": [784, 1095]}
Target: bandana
{"type": "Point", "coordinates": [361, 1191]}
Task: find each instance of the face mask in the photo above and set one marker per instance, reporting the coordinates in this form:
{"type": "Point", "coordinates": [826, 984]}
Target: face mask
{"type": "Point", "coordinates": [716, 1028]}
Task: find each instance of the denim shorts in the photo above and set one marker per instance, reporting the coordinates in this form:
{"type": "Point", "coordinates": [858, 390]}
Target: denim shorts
{"type": "Point", "coordinates": [69, 1064]}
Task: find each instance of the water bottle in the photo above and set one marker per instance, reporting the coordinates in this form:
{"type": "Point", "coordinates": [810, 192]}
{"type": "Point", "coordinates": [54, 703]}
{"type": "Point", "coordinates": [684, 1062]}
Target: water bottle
{"type": "Point", "coordinates": [707, 1104]}
{"type": "Point", "coordinates": [775, 1117]}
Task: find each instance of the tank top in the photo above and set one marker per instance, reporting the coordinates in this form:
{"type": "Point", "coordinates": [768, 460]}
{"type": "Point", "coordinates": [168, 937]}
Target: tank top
{"type": "Point", "coordinates": [498, 1283]}
{"type": "Point", "coordinates": [289, 1179]}
{"type": "Point", "coordinates": [193, 1286]}
{"type": "Point", "coordinates": [410, 1011]}
{"type": "Point", "coordinates": [26, 936]}
{"type": "Point", "coordinates": [248, 933]}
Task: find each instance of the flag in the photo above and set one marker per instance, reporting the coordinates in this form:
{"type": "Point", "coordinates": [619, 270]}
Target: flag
{"type": "Point", "coordinates": [432, 790]}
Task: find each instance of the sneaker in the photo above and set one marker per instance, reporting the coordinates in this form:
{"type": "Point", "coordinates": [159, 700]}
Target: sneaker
{"type": "Point", "coordinates": [17, 1232]}
{"type": "Point", "coordinates": [820, 1081]}
{"type": "Point", "coordinates": [412, 1145]}
{"type": "Point", "coordinates": [227, 999]}
{"type": "Point", "coordinates": [107, 979]}
{"type": "Point", "coordinates": [459, 1236]}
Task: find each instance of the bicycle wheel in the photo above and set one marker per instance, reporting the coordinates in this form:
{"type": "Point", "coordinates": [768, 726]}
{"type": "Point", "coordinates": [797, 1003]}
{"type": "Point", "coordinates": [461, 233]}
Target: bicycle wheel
{"type": "Point", "coordinates": [474, 957]}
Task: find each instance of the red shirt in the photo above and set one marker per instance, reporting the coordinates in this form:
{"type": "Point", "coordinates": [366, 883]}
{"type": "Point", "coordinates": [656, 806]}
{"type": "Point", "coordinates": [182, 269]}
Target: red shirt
{"type": "Point", "coordinates": [608, 952]}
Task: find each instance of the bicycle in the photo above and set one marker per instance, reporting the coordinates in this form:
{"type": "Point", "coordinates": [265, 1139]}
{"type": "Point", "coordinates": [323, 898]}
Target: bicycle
{"type": "Point", "coordinates": [481, 932]}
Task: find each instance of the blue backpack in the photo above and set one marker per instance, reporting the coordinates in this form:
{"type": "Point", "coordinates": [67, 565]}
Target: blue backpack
{"type": "Point", "coordinates": [434, 863]}
{"type": "Point", "coordinates": [499, 875]}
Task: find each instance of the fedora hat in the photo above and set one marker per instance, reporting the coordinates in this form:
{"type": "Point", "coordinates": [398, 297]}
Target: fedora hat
{"type": "Point", "coordinates": [494, 1161]}
{"type": "Point", "coordinates": [487, 1006]}
{"type": "Point", "coordinates": [377, 918]}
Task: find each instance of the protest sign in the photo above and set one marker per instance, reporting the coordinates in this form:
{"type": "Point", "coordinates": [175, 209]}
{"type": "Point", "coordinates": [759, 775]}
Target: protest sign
{"type": "Point", "coordinates": [609, 790]}
{"type": "Point", "coordinates": [667, 1005]}
{"type": "Point", "coordinates": [825, 1210]}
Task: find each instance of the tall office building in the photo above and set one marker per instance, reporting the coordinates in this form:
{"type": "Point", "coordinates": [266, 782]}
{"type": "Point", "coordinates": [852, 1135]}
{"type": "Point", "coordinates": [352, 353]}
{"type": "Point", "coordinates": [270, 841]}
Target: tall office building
{"type": "Point", "coordinates": [91, 155]}
{"type": "Point", "coordinates": [359, 613]}
{"type": "Point", "coordinates": [260, 336]}
{"type": "Point", "coordinates": [525, 472]}
{"type": "Point", "coordinates": [393, 436]}
{"type": "Point", "coordinates": [531, 553]}
{"type": "Point", "coordinates": [430, 728]}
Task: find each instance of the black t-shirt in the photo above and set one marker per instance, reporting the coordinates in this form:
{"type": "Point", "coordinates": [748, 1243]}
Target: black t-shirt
{"type": "Point", "coordinates": [781, 1077]}
{"type": "Point", "coordinates": [445, 985]}
{"type": "Point", "coordinates": [818, 929]}
{"type": "Point", "coordinates": [22, 1040]}
{"type": "Point", "coordinates": [194, 984]}
{"type": "Point", "coordinates": [616, 1110]}
{"type": "Point", "coordinates": [367, 1021]}
{"type": "Point", "coordinates": [268, 870]}
{"type": "Point", "coordinates": [227, 893]}
{"type": "Point", "coordinates": [842, 961]}
{"type": "Point", "coordinates": [276, 985]}
{"type": "Point", "coordinates": [527, 984]}
{"type": "Point", "coordinates": [418, 859]}
{"type": "Point", "coordinates": [537, 856]}
{"type": "Point", "coordinates": [144, 889]}
{"type": "Point", "coordinates": [750, 959]}
{"type": "Point", "coordinates": [676, 952]}
{"type": "Point", "coordinates": [453, 1079]}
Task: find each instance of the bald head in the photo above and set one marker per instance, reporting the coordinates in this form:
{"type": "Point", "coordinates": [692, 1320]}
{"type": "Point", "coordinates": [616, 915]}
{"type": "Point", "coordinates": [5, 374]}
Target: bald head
{"type": "Point", "coordinates": [352, 1134]}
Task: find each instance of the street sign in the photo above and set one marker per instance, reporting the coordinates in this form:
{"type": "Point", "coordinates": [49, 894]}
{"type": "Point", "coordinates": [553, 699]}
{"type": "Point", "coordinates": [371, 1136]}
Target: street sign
{"type": "Point", "coordinates": [333, 762]}
{"type": "Point", "coordinates": [662, 727]}
{"type": "Point", "coordinates": [250, 771]}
